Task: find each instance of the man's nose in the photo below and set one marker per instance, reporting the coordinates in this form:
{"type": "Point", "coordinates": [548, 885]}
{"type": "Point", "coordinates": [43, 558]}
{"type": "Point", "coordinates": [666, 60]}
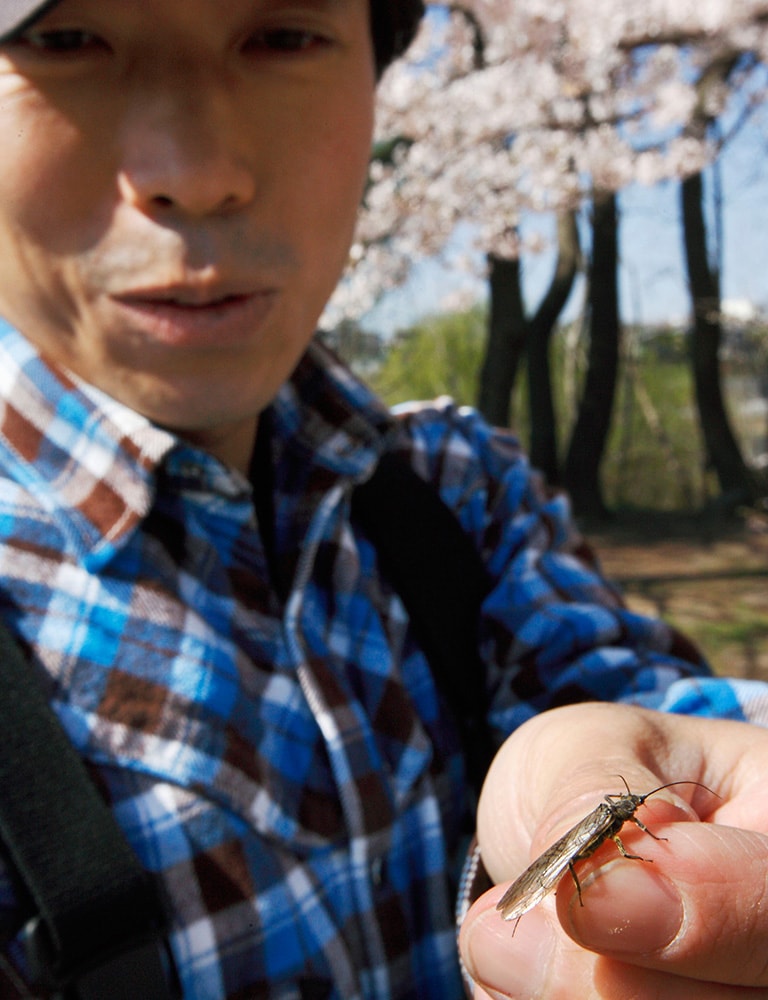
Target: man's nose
{"type": "Point", "coordinates": [183, 152]}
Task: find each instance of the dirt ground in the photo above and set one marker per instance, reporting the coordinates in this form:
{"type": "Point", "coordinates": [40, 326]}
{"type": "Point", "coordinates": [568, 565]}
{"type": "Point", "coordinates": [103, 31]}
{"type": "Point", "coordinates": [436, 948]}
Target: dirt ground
{"type": "Point", "coordinates": [708, 576]}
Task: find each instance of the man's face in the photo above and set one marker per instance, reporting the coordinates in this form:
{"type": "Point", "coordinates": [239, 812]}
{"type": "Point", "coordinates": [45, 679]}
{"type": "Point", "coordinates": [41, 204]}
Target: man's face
{"type": "Point", "coordinates": [178, 186]}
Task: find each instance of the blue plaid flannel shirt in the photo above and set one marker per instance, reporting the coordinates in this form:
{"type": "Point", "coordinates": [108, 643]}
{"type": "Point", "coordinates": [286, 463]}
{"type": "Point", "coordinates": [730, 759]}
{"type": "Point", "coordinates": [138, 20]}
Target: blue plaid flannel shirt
{"type": "Point", "coordinates": [283, 762]}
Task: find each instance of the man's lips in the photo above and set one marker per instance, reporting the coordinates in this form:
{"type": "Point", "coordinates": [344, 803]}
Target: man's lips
{"type": "Point", "coordinates": [196, 317]}
{"type": "Point", "coordinates": [193, 293]}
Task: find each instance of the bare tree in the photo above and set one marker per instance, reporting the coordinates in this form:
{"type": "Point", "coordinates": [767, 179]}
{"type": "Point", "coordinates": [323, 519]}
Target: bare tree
{"type": "Point", "coordinates": [587, 444]}
{"type": "Point", "coordinates": [507, 333]}
{"type": "Point", "coordinates": [738, 483]}
{"type": "Point", "coordinates": [541, 407]}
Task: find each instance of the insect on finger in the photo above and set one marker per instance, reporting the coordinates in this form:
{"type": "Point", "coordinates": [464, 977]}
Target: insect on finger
{"type": "Point", "coordinates": [582, 840]}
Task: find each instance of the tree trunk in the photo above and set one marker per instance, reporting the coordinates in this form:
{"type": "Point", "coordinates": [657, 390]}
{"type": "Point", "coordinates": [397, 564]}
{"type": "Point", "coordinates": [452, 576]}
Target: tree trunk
{"type": "Point", "coordinates": [507, 329]}
{"type": "Point", "coordinates": [543, 446]}
{"type": "Point", "coordinates": [737, 484]}
{"type": "Point", "coordinates": [585, 453]}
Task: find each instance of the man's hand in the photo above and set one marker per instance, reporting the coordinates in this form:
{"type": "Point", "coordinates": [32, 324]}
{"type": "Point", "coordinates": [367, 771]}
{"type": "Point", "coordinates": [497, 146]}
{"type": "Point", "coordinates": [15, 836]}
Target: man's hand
{"type": "Point", "coordinates": [689, 924]}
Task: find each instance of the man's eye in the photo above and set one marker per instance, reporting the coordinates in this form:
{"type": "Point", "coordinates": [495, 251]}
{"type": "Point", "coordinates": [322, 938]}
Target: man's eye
{"type": "Point", "coordinates": [64, 40]}
{"type": "Point", "coordinates": [287, 40]}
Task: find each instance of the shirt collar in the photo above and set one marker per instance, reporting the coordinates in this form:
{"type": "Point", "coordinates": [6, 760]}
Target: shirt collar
{"type": "Point", "coordinates": [93, 462]}
{"type": "Point", "coordinates": [324, 416]}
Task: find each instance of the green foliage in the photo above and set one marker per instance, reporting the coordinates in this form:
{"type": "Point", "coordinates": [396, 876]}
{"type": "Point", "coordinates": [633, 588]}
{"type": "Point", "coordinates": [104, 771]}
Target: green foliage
{"type": "Point", "coordinates": [655, 455]}
{"type": "Point", "coordinates": [441, 355]}
{"type": "Point", "coordinates": [667, 344]}
{"type": "Point", "coordinates": [655, 458]}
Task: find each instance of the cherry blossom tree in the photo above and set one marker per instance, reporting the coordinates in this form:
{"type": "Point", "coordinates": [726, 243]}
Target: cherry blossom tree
{"type": "Point", "coordinates": [548, 105]}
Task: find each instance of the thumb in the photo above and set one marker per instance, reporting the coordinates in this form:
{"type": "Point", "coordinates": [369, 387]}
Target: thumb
{"type": "Point", "coordinates": [697, 911]}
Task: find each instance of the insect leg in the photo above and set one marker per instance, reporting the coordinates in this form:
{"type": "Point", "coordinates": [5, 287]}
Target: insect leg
{"type": "Point", "coordinates": [645, 829]}
{"type": "Point", "coordinates": [623, 851]}
{"type": "Point", "coordinates": [576, 882]}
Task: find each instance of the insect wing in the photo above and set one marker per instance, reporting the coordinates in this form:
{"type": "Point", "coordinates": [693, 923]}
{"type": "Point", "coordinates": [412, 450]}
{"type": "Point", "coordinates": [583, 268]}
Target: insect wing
{"type": "Point", "coordinates": [543, 875]}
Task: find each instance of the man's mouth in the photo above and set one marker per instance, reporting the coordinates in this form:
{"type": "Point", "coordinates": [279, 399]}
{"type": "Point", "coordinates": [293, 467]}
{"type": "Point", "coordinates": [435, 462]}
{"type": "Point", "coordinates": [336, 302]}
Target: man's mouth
{"type": "Point", "coordinates": [196, 316]}
{"type": "Point", "coordinates": [180, 302]}
{"type": "Point", "coordinates": [193, 295]}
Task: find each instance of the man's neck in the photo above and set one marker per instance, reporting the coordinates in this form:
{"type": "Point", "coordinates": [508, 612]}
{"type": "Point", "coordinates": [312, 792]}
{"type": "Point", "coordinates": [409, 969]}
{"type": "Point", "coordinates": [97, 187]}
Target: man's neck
{"type": "Point", "coordinates": [231, 444]}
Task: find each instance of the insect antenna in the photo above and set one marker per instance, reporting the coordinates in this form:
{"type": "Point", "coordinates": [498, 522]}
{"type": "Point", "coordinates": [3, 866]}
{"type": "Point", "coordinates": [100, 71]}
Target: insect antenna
{"type": "Point", "coordinates": [671, 784]}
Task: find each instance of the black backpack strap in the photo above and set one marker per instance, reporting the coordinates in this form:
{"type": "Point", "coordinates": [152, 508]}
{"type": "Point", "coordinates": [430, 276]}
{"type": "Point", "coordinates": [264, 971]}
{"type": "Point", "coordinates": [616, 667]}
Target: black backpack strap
{"type": "Point", "coordinates": [437, 571]}
{"type": "Point", "coordinates": [98, 929]}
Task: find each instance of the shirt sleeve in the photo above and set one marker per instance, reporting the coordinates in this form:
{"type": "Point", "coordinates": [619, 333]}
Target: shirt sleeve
{"type": "Point", "coordinates": [554, 630]}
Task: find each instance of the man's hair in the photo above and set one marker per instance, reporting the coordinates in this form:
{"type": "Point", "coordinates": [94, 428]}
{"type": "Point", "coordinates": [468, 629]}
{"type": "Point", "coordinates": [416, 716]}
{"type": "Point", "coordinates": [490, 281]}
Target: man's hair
{"type": "Point", "coordinates": [393, 25]}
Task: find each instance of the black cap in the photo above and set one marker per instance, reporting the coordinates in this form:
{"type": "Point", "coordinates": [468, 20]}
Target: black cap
{"type": "Point", "coordinates": [16, 14]}
{"type": "Point", "coordinates": [393, 23]}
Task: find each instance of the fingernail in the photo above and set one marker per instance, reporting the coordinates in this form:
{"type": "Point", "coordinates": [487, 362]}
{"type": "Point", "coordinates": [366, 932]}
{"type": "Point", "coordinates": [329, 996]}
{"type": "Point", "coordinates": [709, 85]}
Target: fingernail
{"type": "Point", "coordinates": [628, 907]}
{"type": "Point", "coordinates": [508, 965]}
